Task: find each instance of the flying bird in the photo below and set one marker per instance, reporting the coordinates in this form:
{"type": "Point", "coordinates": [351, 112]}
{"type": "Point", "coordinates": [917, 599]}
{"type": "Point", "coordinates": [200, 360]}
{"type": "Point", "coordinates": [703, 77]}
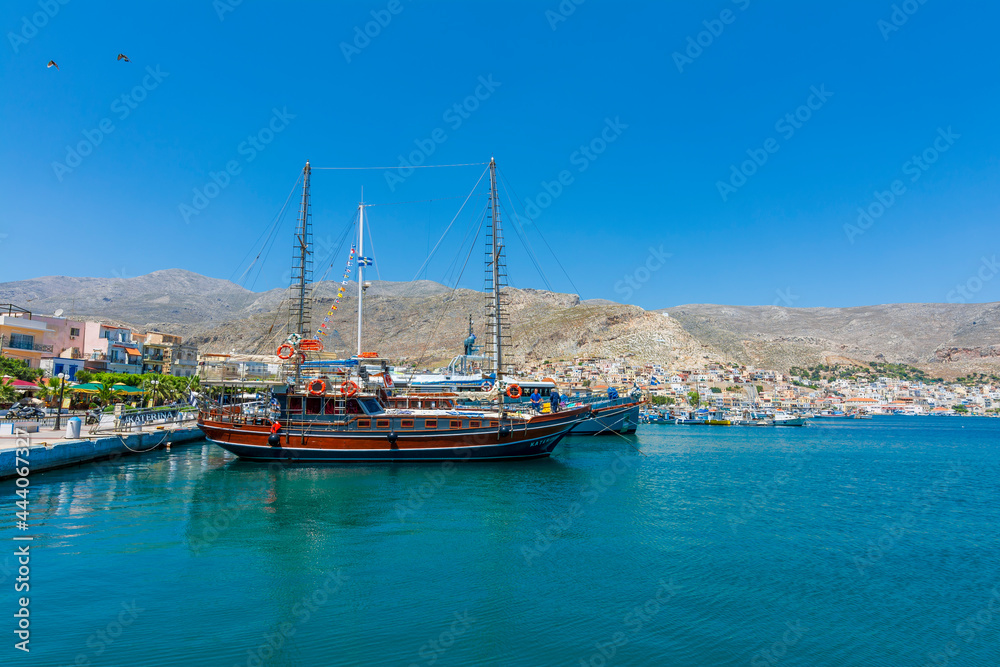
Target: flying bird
{"type": "Point", "coordinates": [52, 63]}
{"type": "Point", "coordinates": [122, 56]}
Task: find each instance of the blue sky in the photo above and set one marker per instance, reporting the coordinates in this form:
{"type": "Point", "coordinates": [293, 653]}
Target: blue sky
{"type": "Point", "coordinates": [653, 214]}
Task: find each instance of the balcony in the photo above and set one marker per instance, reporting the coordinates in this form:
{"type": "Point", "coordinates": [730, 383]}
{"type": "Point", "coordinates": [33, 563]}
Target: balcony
{"type": "Point", "coordinates": [21, 345]}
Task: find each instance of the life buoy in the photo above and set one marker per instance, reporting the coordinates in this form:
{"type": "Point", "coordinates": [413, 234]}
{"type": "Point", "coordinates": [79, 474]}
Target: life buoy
{"type": "Point", "coordinates": [314, 391]}
{"type": "Point", "coordinates": [275, 427]}
{"type": "Point", "coordinates": [514, 391]}
{"type": "Point", "coordinates": [368, 355]}
{"type": "Point", "coordinates": [487, 385]}
{"type": "Point", "coordinates": [348, 388]}
{"type": "Point", "coordinates": [288, 348]}
{"type": "Point", "coordinates": [387, 380]}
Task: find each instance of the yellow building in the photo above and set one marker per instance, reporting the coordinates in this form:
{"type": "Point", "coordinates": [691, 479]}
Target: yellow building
{"type": "Point", "coordinates": [22, 337]}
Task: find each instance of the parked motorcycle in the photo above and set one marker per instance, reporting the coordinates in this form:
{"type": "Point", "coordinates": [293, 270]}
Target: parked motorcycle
{"type": "Point", "coordinates": [24, 412]}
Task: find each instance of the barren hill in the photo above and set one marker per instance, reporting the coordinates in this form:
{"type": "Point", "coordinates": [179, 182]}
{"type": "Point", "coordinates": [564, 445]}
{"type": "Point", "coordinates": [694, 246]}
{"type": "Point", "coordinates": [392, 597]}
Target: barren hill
{"type": "Point", "coordinates": [944, 339]}
{"type": "Point", "coordinates": [426, 321]}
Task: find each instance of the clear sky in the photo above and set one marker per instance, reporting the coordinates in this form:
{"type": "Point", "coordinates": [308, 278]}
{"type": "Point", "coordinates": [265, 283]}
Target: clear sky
{"type": "Point", "coordinates": [653, 200]}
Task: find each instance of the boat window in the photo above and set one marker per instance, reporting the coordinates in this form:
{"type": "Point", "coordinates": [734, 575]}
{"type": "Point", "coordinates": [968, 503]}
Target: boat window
{"type": "Point", "coordinates": [295, 404]}
{"type": "Point", "coordinates": [475, 423]}
{"type": "Point", "coordinates": [381, 423]}
{"type": "Point", "coordinates": [371, 406]}
{"type": "Point", "coordinates": [456, 423]}
{"type": "Point", "coordinates": [364, 423]}
{"type": "Point", "coordinates": [407, 423]}
{"type": "Point", "coordinates": [430, 423]}
{"type": "Point", "coordinates": [331, 407]}
{"type": "Point", "coordinates": [494, 423]}
{"type": "Point", "coordinates": [313, 405]}
{"type": "Point", "coordinates": [352, 407]}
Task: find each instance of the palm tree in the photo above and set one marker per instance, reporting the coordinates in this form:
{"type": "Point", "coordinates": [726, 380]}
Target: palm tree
{"type": "Point", "coordinates": [107, 394]}
{"type": "Point", "coordinates": [7, 392]}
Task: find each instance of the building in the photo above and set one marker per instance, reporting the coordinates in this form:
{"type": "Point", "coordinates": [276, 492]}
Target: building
{"type": "Point", "coordinates": [23, 337]}
{"type": "Point", "coordinates": [170, 355]}
{"type": "Point", "coordinates": [66, 336]}
{"type": "Point", "coordinates": [53, 366]}
{"type": "Point", "coordinates": [111, 349]}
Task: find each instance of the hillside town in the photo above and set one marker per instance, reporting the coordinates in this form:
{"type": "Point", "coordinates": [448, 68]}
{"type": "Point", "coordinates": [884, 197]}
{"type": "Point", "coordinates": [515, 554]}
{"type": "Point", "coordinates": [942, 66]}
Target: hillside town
{"type": "Point", "coordinates": [59, 345]}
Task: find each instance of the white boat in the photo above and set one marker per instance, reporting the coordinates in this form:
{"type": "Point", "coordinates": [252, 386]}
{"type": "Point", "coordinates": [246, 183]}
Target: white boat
{"type": "Point", "coordinates": [786, 419]}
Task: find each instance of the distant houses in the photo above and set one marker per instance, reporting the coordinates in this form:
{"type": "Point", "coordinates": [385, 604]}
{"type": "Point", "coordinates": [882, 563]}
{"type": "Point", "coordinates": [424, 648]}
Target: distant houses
{"type": "Point", "coordinates": [63, 345]}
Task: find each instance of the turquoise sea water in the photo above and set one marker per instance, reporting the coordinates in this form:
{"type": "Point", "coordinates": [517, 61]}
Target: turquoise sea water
{"type": "Point", "coordinates": [844, 543]}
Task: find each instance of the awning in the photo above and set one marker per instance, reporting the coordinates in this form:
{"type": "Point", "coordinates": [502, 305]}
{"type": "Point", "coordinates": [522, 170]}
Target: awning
{"type": "Point", "coordinates": [132, 350]}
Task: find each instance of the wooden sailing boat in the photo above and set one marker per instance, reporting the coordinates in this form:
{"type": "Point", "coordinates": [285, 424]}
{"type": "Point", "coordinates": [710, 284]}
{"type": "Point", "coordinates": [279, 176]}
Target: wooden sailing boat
{"type": "Point", "coordinates": [345, 414]}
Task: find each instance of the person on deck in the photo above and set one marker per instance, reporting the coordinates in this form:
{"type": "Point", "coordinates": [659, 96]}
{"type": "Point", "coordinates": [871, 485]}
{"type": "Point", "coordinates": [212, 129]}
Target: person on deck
{"type": "Point", "coordinates": [554, 400]}
{"type": "Point", "coordinates": [536, 400]}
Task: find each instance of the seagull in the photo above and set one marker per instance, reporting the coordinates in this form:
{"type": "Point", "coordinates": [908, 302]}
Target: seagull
{"type": "Point", "coordinates": [122, 56]}
{"type": "Point", "coordinates": [52, 63]}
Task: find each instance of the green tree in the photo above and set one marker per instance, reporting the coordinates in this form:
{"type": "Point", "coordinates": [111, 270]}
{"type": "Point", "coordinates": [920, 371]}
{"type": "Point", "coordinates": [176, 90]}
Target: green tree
{"type": "Point", "coordinates": [7, 392]}
{"type": "Point", "coordinates": [83, 376]}
{"type": "Point", "coordinates": [694, 398]}
{"type": "Point", "coordinates": [19, 369]}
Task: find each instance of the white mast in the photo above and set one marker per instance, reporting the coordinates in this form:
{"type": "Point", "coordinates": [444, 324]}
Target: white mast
{"type": "Point", "coordinates": [361, 264]}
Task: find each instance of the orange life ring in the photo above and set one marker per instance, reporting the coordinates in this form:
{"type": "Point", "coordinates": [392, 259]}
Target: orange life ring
{"type": "Point", "coordinates": [368, 355]}
{"type": "Point", "coordinates": [348, 388]}
{"type": "Point", "coordinates": [275, 427]}
{"type": "Point", "coordinates": [317, 392]}
{"type": "Point", "coordinates": [514, 391]}
{"type": "Point", "coordinates": [289, 348]}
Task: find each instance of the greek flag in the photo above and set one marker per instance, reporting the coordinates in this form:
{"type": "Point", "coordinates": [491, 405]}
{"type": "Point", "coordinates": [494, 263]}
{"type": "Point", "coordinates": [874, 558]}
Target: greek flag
{"type": "Point", "coordinates": [364, 261]}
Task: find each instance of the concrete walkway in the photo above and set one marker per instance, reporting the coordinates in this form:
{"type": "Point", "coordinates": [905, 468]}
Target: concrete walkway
{"type": "Point", "coordinates": [48, 448]}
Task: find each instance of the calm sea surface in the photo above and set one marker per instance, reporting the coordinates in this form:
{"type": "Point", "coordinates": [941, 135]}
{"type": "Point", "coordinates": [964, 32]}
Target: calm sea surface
{"type": "Point", "coordinates": [844, 543]}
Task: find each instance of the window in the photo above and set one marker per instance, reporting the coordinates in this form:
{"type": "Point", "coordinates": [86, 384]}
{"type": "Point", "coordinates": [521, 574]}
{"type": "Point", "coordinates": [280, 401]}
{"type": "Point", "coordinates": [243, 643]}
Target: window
{"type": "Point", "coordinates": [295, 404]}
{"type": "Point", "coordinates": [475, 423]}
{"type": "Point", "coordinates": [456, 423]}
{"type": "Point", "coordinates": [407, 423]}
{"type": "Point", "coordinates": [331, 408]}
{"type": "Point", "coordinates": [494, 423]}
{"type": "Point", "coordinates": [313, 405]}
{"type": "Point", "coordinates": [381, 423]}
{"type": "Point", "coordinates": [364, 423]}
{"type": "Point", "coordinates": [430, 423]}
{"type": "Point", "coordinates": [22, 341]}
{"type": "Point", "coordinates": [74, 331]}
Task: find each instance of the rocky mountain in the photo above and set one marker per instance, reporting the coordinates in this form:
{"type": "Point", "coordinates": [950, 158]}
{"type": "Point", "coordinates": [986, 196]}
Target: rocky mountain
{"type": "Point", "coordinates": [426, 321]}
{"type": "Point", "coordinates": [943, 339]}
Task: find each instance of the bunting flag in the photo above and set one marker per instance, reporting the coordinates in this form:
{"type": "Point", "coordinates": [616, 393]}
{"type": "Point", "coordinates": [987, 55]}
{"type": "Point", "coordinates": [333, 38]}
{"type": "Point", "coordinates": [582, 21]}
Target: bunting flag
{"type": "Point", "coordinates": [365, 261]}
{"type": "Point", "coordinates": [340, 292]}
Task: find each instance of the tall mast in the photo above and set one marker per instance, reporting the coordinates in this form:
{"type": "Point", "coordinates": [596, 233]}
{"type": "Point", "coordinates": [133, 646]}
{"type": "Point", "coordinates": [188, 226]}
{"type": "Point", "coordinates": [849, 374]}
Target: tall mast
{"type": "Point", "coordinates": [299, 315]}
{"type": "Point", "coordinates": [496, 277]}
{"type": "Point", "coordinates": [361, 265]}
